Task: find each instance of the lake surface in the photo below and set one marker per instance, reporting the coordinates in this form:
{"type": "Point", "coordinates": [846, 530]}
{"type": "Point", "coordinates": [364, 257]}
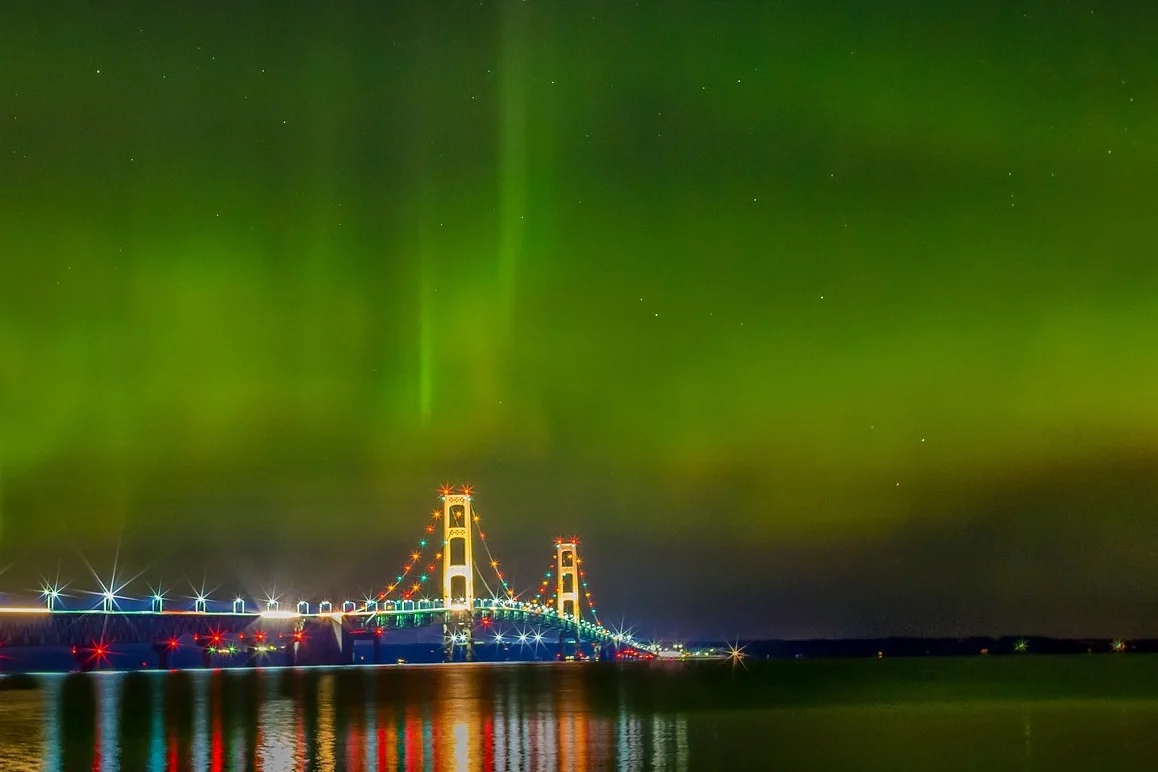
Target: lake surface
{"type": "Point", "coordinates": [1012, 713]}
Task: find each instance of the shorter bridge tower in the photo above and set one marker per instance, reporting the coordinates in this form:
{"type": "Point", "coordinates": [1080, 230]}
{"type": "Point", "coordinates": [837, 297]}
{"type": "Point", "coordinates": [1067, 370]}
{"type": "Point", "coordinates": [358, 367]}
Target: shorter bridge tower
{"type": "Point", "coordinates": [457, 571]}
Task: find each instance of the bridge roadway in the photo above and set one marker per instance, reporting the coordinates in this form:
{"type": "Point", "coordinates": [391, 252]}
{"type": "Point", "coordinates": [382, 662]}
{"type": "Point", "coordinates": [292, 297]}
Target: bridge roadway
{"type": "Point", "coordinates": [317, 638]}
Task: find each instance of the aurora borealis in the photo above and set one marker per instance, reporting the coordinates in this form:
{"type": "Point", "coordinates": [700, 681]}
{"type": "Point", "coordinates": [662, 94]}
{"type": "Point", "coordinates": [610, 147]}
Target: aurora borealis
{"type": "Point", "coordinates": [809, 322]}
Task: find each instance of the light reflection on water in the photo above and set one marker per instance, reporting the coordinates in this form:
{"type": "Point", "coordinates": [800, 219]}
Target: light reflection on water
{"type": "Point", "coordinates": [534, 718]}
{"type": "Point", "coordinates": [356, 720]}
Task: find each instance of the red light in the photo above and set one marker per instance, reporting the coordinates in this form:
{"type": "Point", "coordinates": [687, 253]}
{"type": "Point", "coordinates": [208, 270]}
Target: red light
{"type": "Point", "coordinates": [172, 643]}
{"type": "Point", "coordinates": [445, 490]}
{"type": "Point", "coordinates": [378, 631]}
{"type": "Point", "coordinates": [241, 636]}
{"type": "Point", "coordinates": [216, 639]}
{"type": "Point", "coordinates": [260, 637]}
{"type": "Point", "coordinates": [298, 637]}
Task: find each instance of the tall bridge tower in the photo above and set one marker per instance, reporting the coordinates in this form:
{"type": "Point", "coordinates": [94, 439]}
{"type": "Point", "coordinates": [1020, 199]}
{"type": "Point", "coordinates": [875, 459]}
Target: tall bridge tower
{"type": "Point", "coordinates": [457, 569]}
{"type": "Point", "coordinates": [567, 576]}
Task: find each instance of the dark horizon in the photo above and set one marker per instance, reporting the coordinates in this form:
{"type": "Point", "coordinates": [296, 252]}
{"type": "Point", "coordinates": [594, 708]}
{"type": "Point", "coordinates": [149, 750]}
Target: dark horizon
{"type": "Point", "coordinates": [807, 321]}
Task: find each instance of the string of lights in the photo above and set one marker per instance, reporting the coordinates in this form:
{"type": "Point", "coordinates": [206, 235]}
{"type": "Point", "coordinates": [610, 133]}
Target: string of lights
{"type": "Point", "coordinates": [504, 587]}
{"type": "Point", "coordinates": [414, 558]}
{"type": "Point", "coordinates": [586, 588]}
{"type": "Point", "coordinates": [543, 594]}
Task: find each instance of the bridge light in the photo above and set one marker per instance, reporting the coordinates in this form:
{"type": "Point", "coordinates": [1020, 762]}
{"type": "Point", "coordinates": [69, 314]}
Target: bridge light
{"type": "Point", "coordinates": [173, 643]}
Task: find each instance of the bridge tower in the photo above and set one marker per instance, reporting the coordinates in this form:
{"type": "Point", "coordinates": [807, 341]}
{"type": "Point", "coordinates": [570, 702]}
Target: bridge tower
{"type": "Point", "coordinates": [567, 577]}
{"type": "Point", "coordinates": [567, 594]}
{"type": "Point", "coordinates": [457, 571]}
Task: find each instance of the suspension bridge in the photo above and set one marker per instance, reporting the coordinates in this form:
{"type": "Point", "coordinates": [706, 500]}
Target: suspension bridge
{"type": "Point", "coordinates": [474, 606]}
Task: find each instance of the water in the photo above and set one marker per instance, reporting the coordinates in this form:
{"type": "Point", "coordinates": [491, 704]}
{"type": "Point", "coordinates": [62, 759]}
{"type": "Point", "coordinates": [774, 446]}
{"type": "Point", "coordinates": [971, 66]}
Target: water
{"type": "Point", "coordinates": [1016, 713]}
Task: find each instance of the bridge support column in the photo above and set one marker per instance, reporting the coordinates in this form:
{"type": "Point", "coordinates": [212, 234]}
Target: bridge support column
{"type": "Point", "coordinates": [82, 658]}
{"type": "Point", "coordinates": [162, 649]}
{"type": "Point", "coordinates": [458, 633]}
{"type": "Point", "coordinates": [291, 649]}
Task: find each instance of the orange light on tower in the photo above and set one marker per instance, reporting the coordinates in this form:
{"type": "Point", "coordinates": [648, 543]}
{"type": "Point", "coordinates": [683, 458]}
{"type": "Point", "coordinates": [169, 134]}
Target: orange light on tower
{"type": "Point", "coordinates": [467, 490]}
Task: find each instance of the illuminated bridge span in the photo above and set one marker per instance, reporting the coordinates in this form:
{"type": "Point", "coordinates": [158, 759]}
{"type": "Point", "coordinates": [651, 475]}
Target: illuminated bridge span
{"type": "Point", "coordinates": [558, 610]}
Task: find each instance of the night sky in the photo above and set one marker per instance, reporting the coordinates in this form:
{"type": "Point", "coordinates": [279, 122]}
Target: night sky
{"type": "Point", "coordinates": [809, 318]}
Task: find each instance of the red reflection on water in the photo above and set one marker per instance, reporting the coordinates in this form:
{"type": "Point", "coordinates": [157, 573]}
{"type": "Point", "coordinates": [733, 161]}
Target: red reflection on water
{"type": "Point", "coordinates": [216, 751]}
{"type": "Point", "coordinates": [96, 744]}
{"type": "Point", "coordinates": [488, 744]}
{"type": "Point", "coordinates": [383, 763]}
{"type": "Point", "coordinates": [173, 753]}
{"type": "Point", "coordinates": [411, 740]}
{"type": "Point", "coordinates": [355, 747]}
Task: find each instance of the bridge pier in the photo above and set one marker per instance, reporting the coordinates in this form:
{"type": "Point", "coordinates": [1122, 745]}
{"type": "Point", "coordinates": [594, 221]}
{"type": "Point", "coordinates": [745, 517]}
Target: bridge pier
{"type": "Point", "coordinates": [162, 651]}
{"type": "Point", "coordinates": [457, 632]}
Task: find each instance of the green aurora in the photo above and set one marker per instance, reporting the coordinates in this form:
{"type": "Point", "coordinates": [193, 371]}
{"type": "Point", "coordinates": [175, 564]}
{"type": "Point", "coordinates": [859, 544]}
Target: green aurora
{"type": "Point", "coordinates": [853, 311]}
